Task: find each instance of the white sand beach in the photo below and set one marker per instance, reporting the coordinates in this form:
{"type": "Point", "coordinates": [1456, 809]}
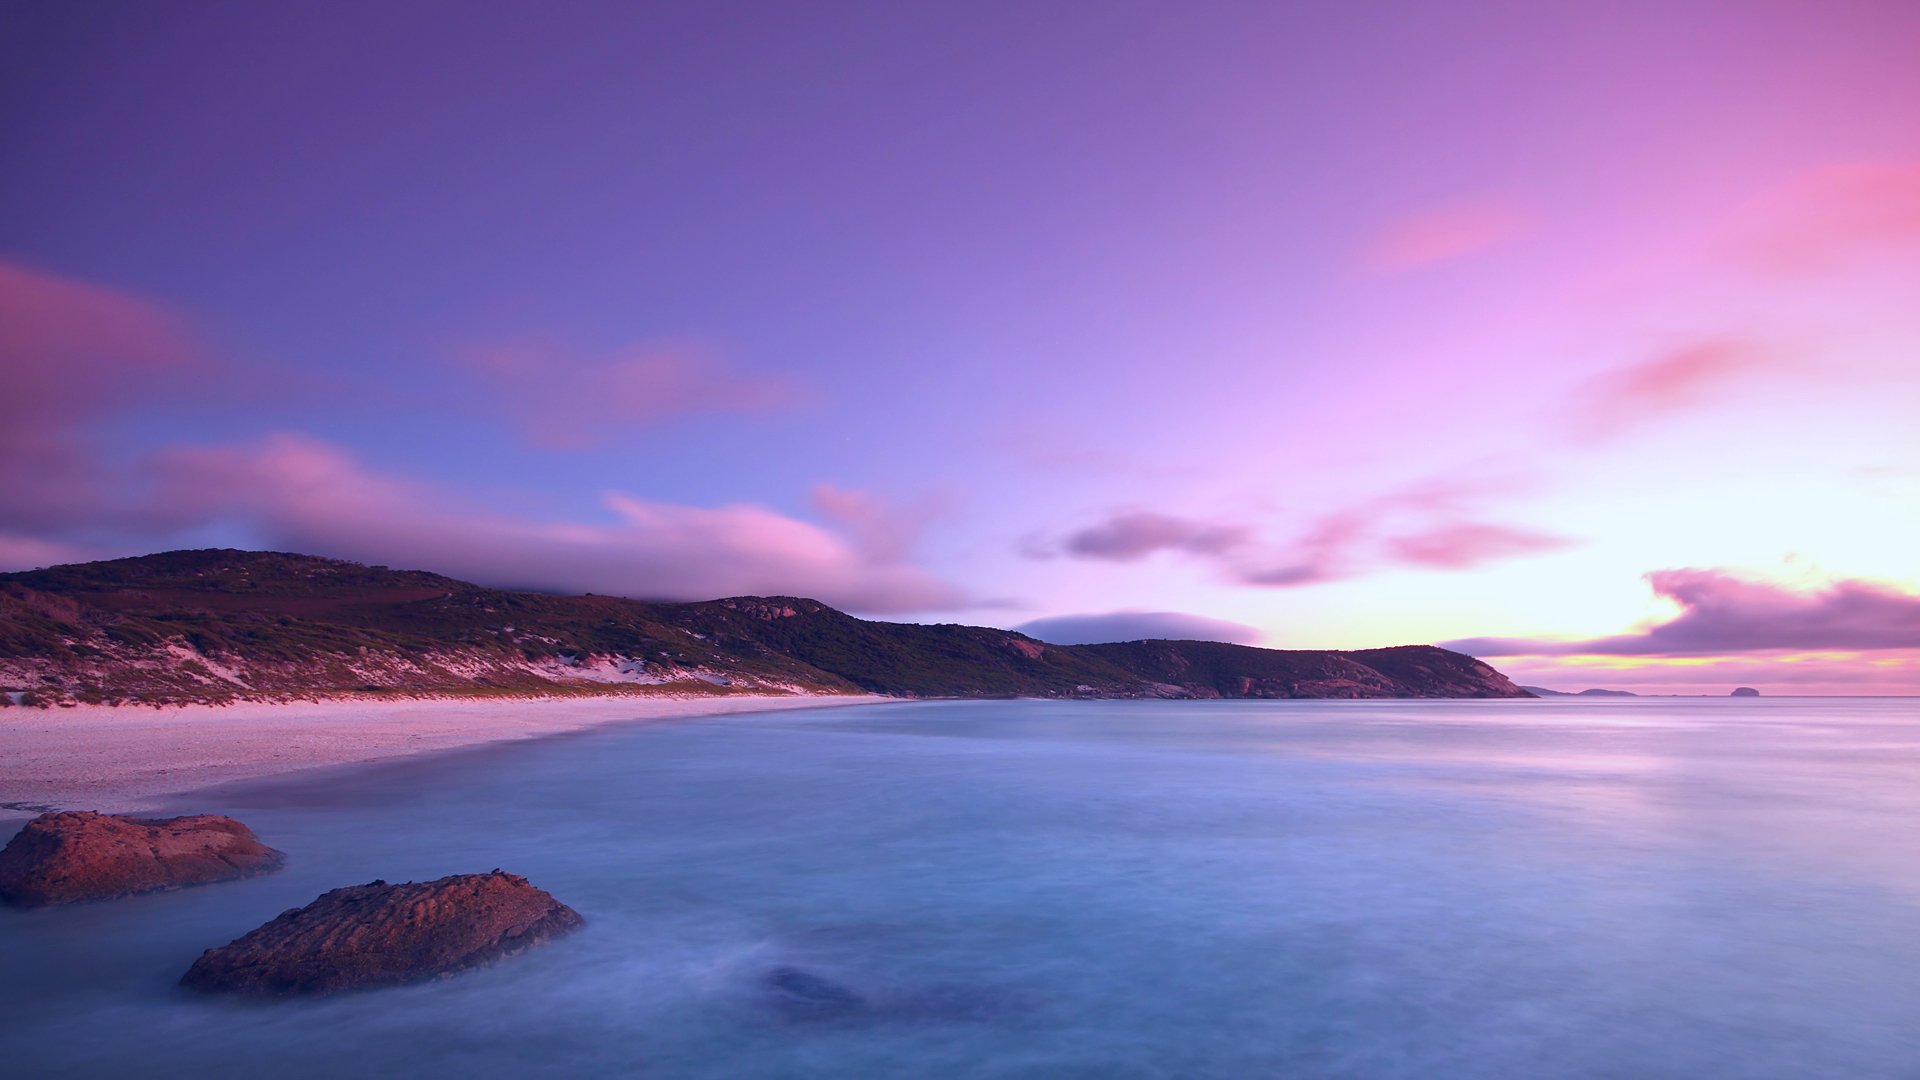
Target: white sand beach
{"type": "Point", "coordinates": [126, 758]}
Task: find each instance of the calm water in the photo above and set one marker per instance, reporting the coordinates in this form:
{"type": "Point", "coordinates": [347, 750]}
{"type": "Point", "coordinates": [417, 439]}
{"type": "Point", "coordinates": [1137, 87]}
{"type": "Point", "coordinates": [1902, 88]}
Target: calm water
{"type": "Point", "coordinates": [1649, 888]}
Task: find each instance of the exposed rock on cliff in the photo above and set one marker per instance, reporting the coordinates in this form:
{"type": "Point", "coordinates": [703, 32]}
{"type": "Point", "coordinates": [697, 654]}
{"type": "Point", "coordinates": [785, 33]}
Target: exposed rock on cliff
{"type": "Point", "coordinates": [380, 934]}
{"type": "Point", "coordinates": [77, 855]}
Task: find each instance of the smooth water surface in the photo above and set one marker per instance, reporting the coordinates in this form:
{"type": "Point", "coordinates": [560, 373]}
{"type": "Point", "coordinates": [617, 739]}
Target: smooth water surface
{"type": "Point", "coordinates": [1628, 888]}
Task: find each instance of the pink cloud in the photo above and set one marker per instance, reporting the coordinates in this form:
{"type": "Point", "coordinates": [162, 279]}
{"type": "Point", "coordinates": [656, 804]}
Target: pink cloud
{"type": "Point", "coordinates": [1331, 548]}
{"type": "Point", "coordinates": [1444, 235]}
{"type": "Point", "coordinates": [305, 495]}
{"type": "Point", "coordinates": [70, 350]}
{"type": "Point", "coordinates": [563, 401]}
{"type": "Point", "coordinates": [72, 353]}
{"type": "Point", "coordinates": [1460, 545]}
{"type": "Point", "coordinates": [1830, 216]}
{"type": "Point", "coordinates": [1436, 524]}
{"type": "Point", "coordinates": [1133, 535]}
{"type": "Point", "coordinates": [1686, 378]}
{"type": "Point", "coordinates": [1355, 542]}
{"type": "Point", "coordinates": [1723, 614]}
{"type": "Point", "coordinates": [882, 530]}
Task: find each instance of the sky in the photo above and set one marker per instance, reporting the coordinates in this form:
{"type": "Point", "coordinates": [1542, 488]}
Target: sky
{"type": "Point", "coordinates": [1581, 337]}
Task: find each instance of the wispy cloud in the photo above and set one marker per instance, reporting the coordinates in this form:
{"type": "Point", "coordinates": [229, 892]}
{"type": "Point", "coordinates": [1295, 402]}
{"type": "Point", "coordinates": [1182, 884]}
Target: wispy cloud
{"type": "Point", "coordinates": [1437, 524]}
{"type": "Point", "coordinates": [1330, 547]}
{"type": "Point", "coordinates": [1724, 614]}
{"type": "Point", "coordinates": [562, 399]}
{"type": "Point", "coordinates": [71, 349]}
{"type": "Point", "coordinates": [1690, 377]}
{"type": "Point", "coordinates": [1132, 535]}
{"type": "Point", "coordinates": [1828, 217]}
{"type": "Point", "coordinates": [884, 531]}
{"type": "Point", "coordinates": [1460, 545]}
{"type": "Point", "coordinates": [73, 353]}
{"type": "Point", "coordinates": [1445, 234]}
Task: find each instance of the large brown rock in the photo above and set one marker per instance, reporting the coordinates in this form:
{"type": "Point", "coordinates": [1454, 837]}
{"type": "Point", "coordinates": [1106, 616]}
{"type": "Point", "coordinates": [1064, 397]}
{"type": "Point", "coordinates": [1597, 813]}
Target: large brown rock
{"type": "Point", "coordinates": [73, 855]}
{"type": "Point", "coordinates": [378, 934]}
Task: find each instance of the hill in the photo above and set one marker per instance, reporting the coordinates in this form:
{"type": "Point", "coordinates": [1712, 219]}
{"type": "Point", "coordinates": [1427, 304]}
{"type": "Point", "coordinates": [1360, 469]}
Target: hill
{"type": "Point", "coordinates": [221, 624]}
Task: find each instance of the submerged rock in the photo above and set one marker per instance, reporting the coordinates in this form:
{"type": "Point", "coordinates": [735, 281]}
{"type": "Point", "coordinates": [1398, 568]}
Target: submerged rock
{"type": "Point", "coordinates": [797, 996]}
{"type": "Point", "coordinates": [61, 858]}
{"type": "Point", "coordinates": [801, 995]}
{"type": "Point", "coordinates": [379, 934]}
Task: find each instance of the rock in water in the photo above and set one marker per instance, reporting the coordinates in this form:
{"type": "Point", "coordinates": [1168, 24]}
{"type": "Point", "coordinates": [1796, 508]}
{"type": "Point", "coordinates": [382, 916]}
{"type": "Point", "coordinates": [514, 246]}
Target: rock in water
{"type": "Point", "coordinates": [802, 995]}
{"type": "Point", "coordinates": [77, 855]}
{"type": "Point", "coordinates": [1744, 691]}
{"type": "Point", "coordinates": [379, 934]}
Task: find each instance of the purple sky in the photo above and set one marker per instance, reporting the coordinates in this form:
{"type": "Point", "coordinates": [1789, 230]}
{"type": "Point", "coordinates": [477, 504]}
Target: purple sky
{"type": "Point", "coordinates": [1582, 334]}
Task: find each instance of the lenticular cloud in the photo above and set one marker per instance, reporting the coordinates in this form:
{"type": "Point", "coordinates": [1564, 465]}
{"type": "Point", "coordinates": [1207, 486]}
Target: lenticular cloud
{"type": "Point", "coordinates": [1137, 625]}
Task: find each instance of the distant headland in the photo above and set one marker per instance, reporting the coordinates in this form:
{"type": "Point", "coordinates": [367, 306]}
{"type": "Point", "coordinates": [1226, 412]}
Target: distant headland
{"type": "Point", "coordinates": [224, 625]}
{"type": "Point", "coordinates": [1541, 691]}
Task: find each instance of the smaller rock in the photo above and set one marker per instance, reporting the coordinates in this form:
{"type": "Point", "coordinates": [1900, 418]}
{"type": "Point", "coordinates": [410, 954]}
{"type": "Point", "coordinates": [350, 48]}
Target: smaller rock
{"type": "Point", "coordinates": [801, 995]}
{"type": "Point", "coordinates": [379, 934]}
{"type": "Point", "coordinates": [75, 855]}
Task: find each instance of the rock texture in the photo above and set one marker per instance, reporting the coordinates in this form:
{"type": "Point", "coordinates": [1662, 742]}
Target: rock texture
{"type": "Point", "coordinates": [61, 858]}
{"type": "Point", "coordinates": [380, 934]}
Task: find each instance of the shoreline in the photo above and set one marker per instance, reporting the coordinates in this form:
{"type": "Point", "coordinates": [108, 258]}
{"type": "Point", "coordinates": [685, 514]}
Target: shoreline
{"type": "Point", "coordinates": [135, 758]}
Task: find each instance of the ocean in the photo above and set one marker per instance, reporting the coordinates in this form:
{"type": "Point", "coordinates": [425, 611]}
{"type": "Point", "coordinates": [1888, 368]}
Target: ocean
{"type": "Point", "coordinates": [1559, 888]}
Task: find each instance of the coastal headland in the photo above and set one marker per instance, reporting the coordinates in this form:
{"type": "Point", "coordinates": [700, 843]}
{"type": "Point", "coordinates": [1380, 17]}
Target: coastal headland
{"type": "Point", "coordinates": [127, 680]}
{"type": "Point", "coordinates": [221, 625]}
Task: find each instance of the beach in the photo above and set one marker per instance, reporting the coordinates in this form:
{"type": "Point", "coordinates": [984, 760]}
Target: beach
{"type": "Point", "coordinates": [128, 759]}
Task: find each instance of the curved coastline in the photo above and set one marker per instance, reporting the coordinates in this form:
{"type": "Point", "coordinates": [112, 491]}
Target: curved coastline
{"type": "Point", "coordinates": [138, 759]}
